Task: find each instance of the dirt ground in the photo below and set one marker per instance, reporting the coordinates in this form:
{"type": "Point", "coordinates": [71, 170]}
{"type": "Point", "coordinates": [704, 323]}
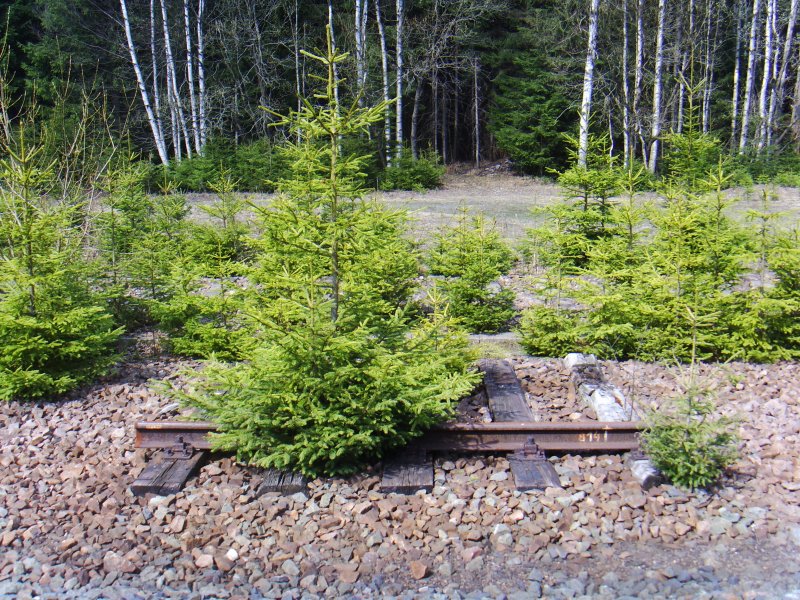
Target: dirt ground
{"type": "Point", "coordinates": [509, 199]}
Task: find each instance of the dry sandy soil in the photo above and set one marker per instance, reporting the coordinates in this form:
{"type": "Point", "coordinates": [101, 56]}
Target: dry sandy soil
{"type": "Point", "coordinates": [509, 200]}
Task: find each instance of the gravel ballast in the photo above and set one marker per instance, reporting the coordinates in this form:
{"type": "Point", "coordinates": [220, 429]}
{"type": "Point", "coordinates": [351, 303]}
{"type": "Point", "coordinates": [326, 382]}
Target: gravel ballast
{"type": "Point", "coordinates": [70, 528]}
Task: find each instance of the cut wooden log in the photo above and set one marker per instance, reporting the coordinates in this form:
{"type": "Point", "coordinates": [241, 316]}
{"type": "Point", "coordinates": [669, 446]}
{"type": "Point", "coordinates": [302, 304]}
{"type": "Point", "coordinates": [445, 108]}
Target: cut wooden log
{"type": "Point", "coordinates": [407, 472]}
{"type": "Point", "coordinates": [608, 402]}
{"type": "Point", "coordinates": [168, 474]}
{"type": "Point", "coordinates": [283, 482]}
{"type": "Point", "coordinates": [507, 401]}
{"type": "Point", "coordinates": [589, 385]}
{"type": "Point", "coordinates": [644, 471]}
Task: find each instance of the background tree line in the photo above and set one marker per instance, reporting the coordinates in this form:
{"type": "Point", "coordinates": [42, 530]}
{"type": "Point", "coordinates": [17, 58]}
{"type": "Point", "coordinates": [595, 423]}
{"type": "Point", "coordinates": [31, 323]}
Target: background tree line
{"type": "Point", "coordinates": [472, 80]}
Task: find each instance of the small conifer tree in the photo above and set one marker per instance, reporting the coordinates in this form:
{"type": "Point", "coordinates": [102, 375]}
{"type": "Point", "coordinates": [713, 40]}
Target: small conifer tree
{"type": "Point", "coordinates": [473, 256]}
{"type": "Point", "coordinates": [54, 332]}
{"type": "Point", "coordinates": [341, 372]}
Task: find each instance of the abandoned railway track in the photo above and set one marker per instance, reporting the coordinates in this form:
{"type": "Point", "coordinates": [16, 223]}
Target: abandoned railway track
{"type": "Point", "coordinates": [507, 436]}
{"type": "Point", "coordinates": [514, 430]}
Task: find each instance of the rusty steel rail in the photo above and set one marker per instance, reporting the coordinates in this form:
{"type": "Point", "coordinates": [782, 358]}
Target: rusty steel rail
{"type": "Point", "coordinates": [162, 435]}
{"type": "Point", "coordinates": [510, 436]}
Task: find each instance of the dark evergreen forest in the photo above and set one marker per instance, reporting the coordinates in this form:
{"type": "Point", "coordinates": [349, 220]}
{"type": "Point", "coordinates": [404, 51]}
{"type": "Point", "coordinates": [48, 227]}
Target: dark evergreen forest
{"type": "Point", "coordinates": [468, 80]}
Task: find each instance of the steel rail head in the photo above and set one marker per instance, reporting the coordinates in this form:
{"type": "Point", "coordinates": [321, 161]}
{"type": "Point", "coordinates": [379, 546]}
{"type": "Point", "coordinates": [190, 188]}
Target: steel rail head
{"type": "Point", "coordinates": [509, 436]}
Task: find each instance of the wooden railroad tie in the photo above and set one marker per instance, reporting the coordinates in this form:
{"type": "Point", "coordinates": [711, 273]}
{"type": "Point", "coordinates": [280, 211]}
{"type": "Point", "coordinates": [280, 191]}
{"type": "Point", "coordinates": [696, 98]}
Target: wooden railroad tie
{"type": "Point", "coordinates": [185, 445]}
{"type": "Point", "coordinates": [407, 472]}
{"type": "Point", "coordinates": [186, 448]}
{"type": "Point", "coordinates": [169, 473]}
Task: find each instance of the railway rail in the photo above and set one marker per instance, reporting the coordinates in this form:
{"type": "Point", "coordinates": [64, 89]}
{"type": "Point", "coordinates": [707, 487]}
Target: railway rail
{"type": "Point", "coordinates": [514, 430]}
{"type": "Point", "coordinates": [508, 436]}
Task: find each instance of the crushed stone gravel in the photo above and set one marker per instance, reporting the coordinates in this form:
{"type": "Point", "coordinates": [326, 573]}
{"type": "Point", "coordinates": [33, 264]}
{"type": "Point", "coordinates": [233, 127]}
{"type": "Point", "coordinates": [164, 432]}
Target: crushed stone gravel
{"type": "Point", "coordinates": [70, 528]}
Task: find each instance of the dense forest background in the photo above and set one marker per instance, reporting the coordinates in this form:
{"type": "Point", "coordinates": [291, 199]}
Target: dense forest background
{"type": "Point", "coordinates": [471, 80]}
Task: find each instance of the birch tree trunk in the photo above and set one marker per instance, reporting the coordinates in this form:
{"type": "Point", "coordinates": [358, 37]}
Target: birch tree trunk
{"type": "Point", "coordinates": [779, 89]}
{"type": "Point", "coordinates": [399, 94]}
{"type": "Point", "coordinates": [796, 105]}
{"type": "Point", "coordinates": [751, 76]}
{"type": "Point", "coordinates": [685, 43]}
{"type": "Point", "coordinates": [766, 75]}
{"type": "Point", "coordinates": [151, 119]}
{"type": "Point", "coordinates": [173, 80]}
{"type": "Point", "coordinates": [154, 62]}
{"type": "Point", "coordinates": [190, 77]}
{"type": "Point", "coordinates": [708, 64]}
{"type": "Point", "coordinates": [201, 74]}
{"type": "Point", "coordinates": [173, 116]}
{"type": "Point", "coordinates": [360, 30]}
{"type": "Point", "coordinates": [476, 115]}
{"type": "Point", "coordinates": [657, 88]}
{"type": "Point", "coordinates": [333, 49]}
{"type": "Point", "coordinates": [588, 84]}
{"type": "Point", "coordinates": [387, 118]}
{"type": "Point", "coordinates": [626, 92]}
{"type": "Point", "coordinates": [638, 77]}
{"type": "Point", "coordinates": [737, 67]}
{"type": "Point", "coordinates": [296, 43]}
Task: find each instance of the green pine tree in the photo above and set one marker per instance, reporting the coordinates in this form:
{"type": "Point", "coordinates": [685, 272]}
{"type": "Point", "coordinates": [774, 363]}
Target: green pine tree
{"type": "Point", "coordinates": [54, 331]}
{"type": "Point", "coordinates": [341, 372]}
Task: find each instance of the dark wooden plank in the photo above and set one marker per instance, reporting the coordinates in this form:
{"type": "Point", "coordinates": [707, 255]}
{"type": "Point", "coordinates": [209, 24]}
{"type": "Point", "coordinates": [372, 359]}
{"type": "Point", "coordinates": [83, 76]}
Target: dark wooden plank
{"type": "Point", "coordinates": [407, 472]}
{"type": "Point", "coordinates": [533, 473]}
{"type": "Point", "coordinates": [154, 470]}
{"type": "Point", "coordinates": [507, 401]}
{"type": "Point", "coordinates": [167, 475]}
{"type": "Point", "coordinates": [283, 482]}
{"type": "Point", "coordinates": [181, 471]}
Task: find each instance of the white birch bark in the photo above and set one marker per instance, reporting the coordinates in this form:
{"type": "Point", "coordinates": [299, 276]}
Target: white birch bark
{"type": "Point", "coordinates": [175, 129]}
{"type": "Point", "coordinates": [201, 74]}
{"type": "Point", "coordinates": [657, 88]}
{"type": "Point", "coordinates": [626, 92]}
{"type": "Point", "coordinates": [151, 119]}
{"type": "Point", "coordinates": [747, 101]}
{"type": "Point", "coordinates": [387, 118]}
{"type": "Point", "coordinates": [364, 20]}
{"type": "Point", "coordinates": [588, 84]}
{"type": "Point", "coordinates": [187, 26]}
{"type": "Point", "coordinates": [296, 43]}
{"type": "Point", "coordinates": [476, 115]}
{"type": "Point", "coordinates": [779, 89]}
{"type": "Point", "coordinates": [686, 43]}
{"type": "Point", "coordinates": [333, 48]}
{"type": "Point", "coordinates": [638, 77]}
{"type": "Point", "coordinates": [398, 129]}
{"type": "Point", "coordinates": [795, 123]}
{"type": "Point", "coordinates": [360, 31]}
{"type": "Point", "coordinates": [737, 67]}
{"type": "Point", "coordinates": [154, 61]}
{"type": "Point", "coordinates": [766, 76]}
{"type": "Point", "coordinates": [173, 80]}
{"type": "Point", "coordinates": [708, 65]}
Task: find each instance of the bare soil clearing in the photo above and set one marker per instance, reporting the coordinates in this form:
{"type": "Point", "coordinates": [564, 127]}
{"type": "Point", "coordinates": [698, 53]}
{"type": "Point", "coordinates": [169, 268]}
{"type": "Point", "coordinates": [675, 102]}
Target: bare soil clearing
{"type": "Point", "coordinates": [509, 199]}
